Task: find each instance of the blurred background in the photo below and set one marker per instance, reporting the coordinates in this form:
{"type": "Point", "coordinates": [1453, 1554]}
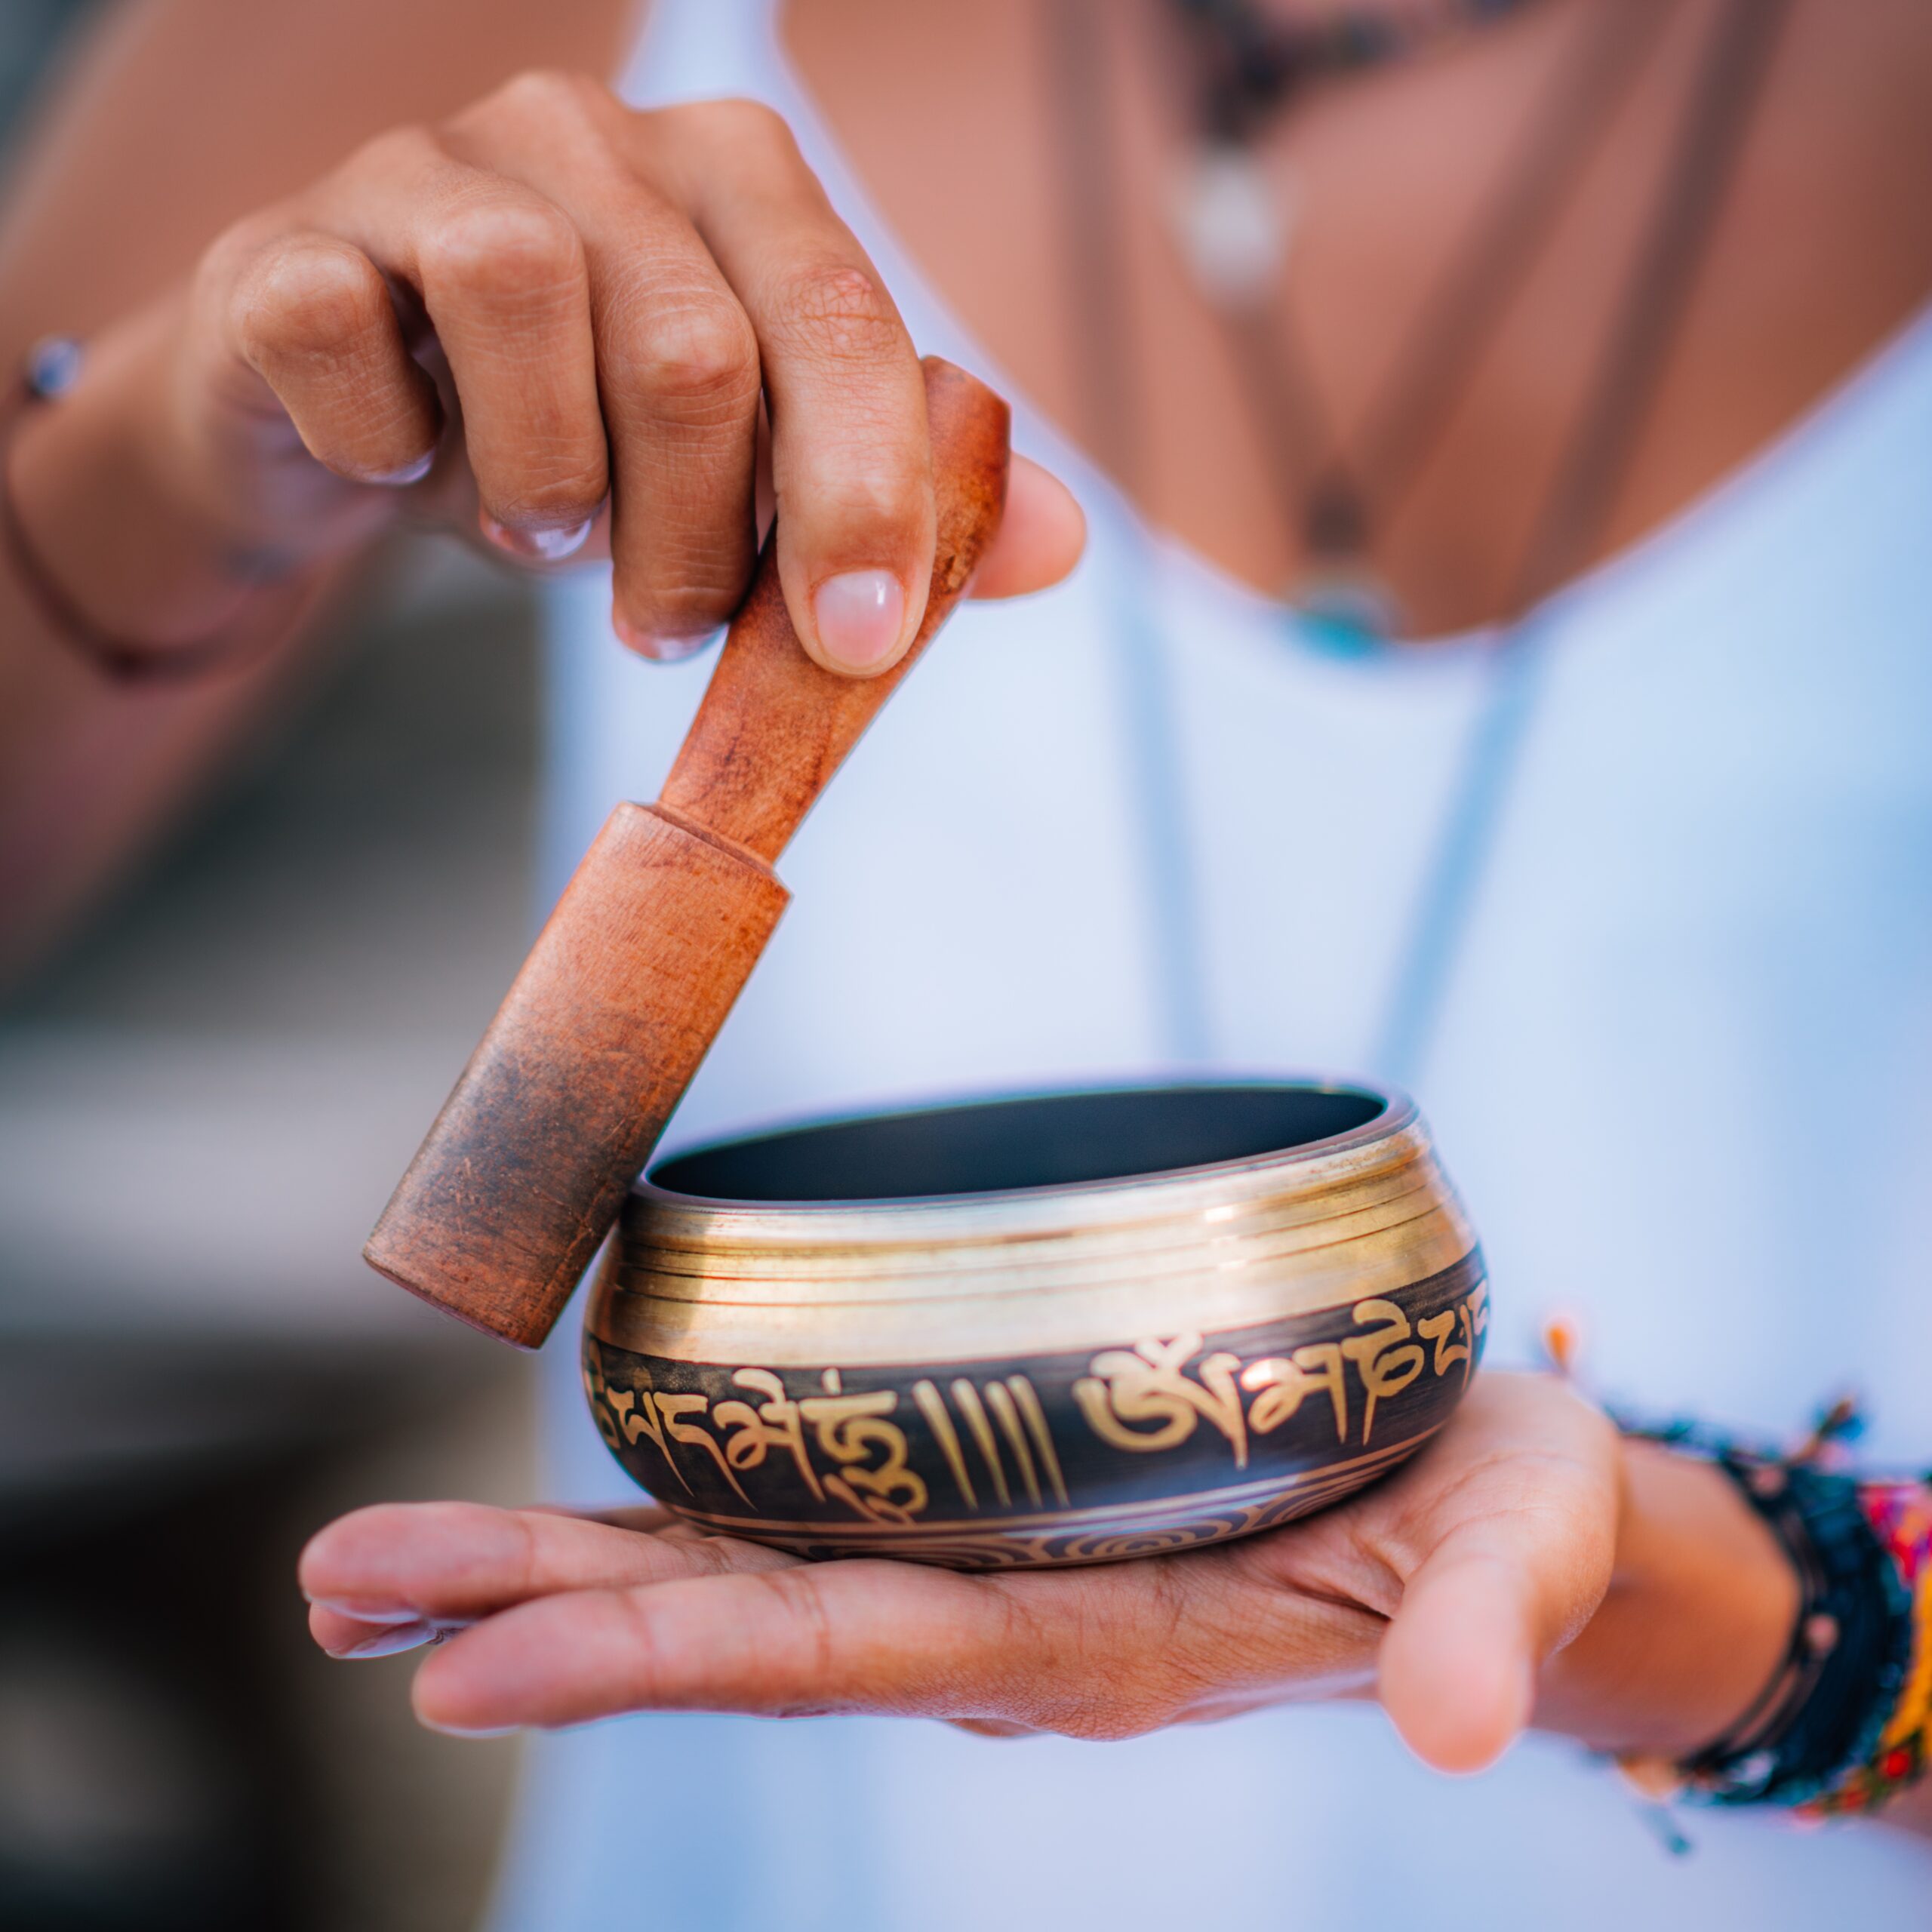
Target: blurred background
{"type": "Point", "coordinates": [203, 1103]}
{"type": "Point", "coordinates": [1711, 883]}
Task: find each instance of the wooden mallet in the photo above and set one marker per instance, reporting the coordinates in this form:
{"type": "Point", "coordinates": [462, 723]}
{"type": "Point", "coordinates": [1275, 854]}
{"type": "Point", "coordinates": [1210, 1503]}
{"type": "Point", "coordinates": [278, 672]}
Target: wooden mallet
{"type": "Point", "coordinates": [528, 1164]}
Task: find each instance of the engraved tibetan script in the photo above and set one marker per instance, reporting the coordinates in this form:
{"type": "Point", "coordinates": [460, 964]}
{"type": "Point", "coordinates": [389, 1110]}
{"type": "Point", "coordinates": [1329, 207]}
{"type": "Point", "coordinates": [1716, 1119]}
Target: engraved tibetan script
{"type": "Point", "coordinates": [1155, 1395]}
{"type": "Point", "coordinates": [843, 1446]}
{"type": "Point", "coordinates": [991, 1443]}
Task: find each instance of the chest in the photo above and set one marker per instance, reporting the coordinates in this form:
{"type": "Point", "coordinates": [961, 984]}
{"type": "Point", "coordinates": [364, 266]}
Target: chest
{"type": "Point", "coordinates": [957, 122]}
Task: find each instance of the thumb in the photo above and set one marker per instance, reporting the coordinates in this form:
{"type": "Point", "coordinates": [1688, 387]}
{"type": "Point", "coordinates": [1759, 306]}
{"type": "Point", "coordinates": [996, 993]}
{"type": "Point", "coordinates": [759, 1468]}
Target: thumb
{"type": "Point", "coordinates": [1457, 1672]}
{"type": "Point", "coordinates": [1041, 536]}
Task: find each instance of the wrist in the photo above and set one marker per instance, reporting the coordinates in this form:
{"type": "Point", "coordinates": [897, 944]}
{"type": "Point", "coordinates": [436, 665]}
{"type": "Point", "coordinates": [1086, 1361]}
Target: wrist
{"type": "Point", "coordinates": [1696, 1622]}
{"type": "Point", "coordinates": [127, 524]}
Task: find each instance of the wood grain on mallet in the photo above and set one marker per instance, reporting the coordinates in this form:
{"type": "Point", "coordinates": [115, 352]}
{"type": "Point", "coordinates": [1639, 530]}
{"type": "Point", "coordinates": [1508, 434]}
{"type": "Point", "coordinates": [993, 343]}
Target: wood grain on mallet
{"type": "Point", "coordinates": [630, 980]}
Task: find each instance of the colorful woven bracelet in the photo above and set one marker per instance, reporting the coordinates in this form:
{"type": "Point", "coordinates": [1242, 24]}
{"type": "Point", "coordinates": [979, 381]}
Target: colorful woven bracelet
{"type": "Point", "coordinates": [1900, 1515]}
{"type": "Point", "coordinates": [1843, 1725]}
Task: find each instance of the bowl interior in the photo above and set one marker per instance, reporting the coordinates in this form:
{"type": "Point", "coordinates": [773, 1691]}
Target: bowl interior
{"type": "Point", "coordinates": [1000, 1147]}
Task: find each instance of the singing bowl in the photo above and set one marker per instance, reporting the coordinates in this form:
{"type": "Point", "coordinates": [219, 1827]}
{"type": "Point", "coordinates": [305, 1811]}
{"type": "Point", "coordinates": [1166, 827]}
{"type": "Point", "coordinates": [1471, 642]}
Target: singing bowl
{"type": "Point", "coordinates": [1065, 1328]}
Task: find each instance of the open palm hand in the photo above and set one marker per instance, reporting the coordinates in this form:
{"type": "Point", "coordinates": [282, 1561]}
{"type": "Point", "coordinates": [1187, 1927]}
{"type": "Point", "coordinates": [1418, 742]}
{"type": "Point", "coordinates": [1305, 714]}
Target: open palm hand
{"type": "Point", "coordinates": [1441, 1590]}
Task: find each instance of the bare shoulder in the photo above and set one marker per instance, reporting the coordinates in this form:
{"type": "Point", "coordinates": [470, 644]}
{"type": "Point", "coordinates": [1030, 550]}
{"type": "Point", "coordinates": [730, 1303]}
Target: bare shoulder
{"type": "Point", "coordinates": [1824, 250]}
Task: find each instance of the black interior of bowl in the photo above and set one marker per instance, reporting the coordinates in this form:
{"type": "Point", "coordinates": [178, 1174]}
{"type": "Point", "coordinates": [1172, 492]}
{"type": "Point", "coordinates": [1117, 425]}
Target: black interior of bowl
{"type": "Point", "coordinates": [1046, 1141]}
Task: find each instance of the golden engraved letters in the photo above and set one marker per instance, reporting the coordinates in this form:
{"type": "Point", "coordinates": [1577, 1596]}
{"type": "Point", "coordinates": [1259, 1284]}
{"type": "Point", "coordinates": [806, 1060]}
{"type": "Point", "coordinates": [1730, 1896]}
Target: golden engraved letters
{"type": "Point", "coordinates": [999, 1452]}
{"type": "Point", "coordinates": [1028, 1402]}
{"type": "Point", "coordinates": [1149, 1384]}
{"type": "Point", "coordinates": [849, 1429]}
{"type": "Point", "coordinates": [775, 1423]}
{"type": "Point", "coordinates": [1283, 1383]}
{"type": "Point", "coordinates": [1126, 1391]}
{"type": "Point", "coordinates": [659, 1419]}
{"type": "Point", "coordinates": [1014, 1405]}
{"type": "Point", "coordinates": [870, 1474]}
{"type": "Point", "coordinates": [1470, 1318]}
{"type": "Point", "coordinates": [974, 1411]}
{"type": "Point", "coordinates": [932, 1406]}
{"type": "Point", "coordinates": [1386, 1360]}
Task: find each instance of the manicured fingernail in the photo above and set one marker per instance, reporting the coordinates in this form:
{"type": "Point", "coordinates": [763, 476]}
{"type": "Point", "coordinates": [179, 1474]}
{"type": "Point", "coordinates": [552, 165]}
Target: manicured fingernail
{"type": "Point", "coordinates": [858, 616]}
{"type": "Point", "coordinates": [409, 472]}
{"type": "Point", "coordinates": [366, 1611]}
{"type": "Point", "coordinates": [660, 647]}
{"type": "Point", "coordinates": [384, 1640]}
{"type": "Point", "coordinates": [543, 546]}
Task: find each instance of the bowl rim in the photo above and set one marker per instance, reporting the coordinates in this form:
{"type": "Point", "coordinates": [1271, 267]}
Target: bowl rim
{"type": "Point", "coordinates": [1218, 1244]}
{"type": "Point", "coordinates": [1396, 1113]}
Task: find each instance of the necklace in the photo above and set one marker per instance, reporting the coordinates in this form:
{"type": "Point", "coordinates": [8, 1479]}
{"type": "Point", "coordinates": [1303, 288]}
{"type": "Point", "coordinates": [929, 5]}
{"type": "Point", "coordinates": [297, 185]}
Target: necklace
{"type": "Point", "coordinates": [1709, 137]}
{"type": "Point", "coordinates": [1332, 501]}
{"type": "Point", "coordinates": [1618, 392]}
{"type": "Point", "coordinates": [1232, 221]}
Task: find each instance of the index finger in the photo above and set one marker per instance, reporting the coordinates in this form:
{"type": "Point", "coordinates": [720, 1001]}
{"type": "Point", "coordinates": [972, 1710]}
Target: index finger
{"type": "Point", "coordinates": [444, 1562]}
{"type": "Point", "coordinates": [864, 1634]}
{"type": "Point", "coordinates": [851, 461]}
{"type": "Point", "coordinates": [1111, 1651]}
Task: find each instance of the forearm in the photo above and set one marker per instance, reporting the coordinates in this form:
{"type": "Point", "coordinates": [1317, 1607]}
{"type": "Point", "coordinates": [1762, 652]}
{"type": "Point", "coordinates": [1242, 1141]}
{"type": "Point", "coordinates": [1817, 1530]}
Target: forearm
{"type": "Point", "coordinates": [92, 772]}
{"type": "Point", "coordinates": [92, 762]}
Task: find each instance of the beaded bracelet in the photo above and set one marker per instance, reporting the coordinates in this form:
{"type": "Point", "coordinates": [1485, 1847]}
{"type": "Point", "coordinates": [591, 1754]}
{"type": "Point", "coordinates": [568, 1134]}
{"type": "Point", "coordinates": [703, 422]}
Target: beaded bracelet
{"type": "Point", "coordinates": [51, 368]}
{"type": "Point", "coordinates": [1843, 1725]}
{"type": "Point", "coordinates": [1900, 1515]}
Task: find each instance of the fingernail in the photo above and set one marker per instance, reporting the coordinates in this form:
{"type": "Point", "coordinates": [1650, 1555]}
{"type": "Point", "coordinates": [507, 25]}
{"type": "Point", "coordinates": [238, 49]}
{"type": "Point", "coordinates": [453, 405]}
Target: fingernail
{"type": "Point", "coordinates": [468, 1730]}
{"type": "Point", "coordinates": [366, 1612]}
{"type": "Point", "coordinates": [663, 648]}
{"type": "Point", "coordinates": [858, 616]}
{"type": "Point", "coordinates": [409, 472]}
{"type": "Point", "coordinates": [384, 1640]}
{"type": "Point", "coordinates": [544, 546]}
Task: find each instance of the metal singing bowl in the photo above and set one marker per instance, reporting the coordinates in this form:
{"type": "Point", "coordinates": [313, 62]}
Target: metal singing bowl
{"type": "Point", "coordinates": [1065, 1328]}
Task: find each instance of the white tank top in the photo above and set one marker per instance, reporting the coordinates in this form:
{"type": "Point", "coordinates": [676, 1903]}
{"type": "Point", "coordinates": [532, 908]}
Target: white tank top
{"type": "Point", "coordinates": [1109, 831]}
